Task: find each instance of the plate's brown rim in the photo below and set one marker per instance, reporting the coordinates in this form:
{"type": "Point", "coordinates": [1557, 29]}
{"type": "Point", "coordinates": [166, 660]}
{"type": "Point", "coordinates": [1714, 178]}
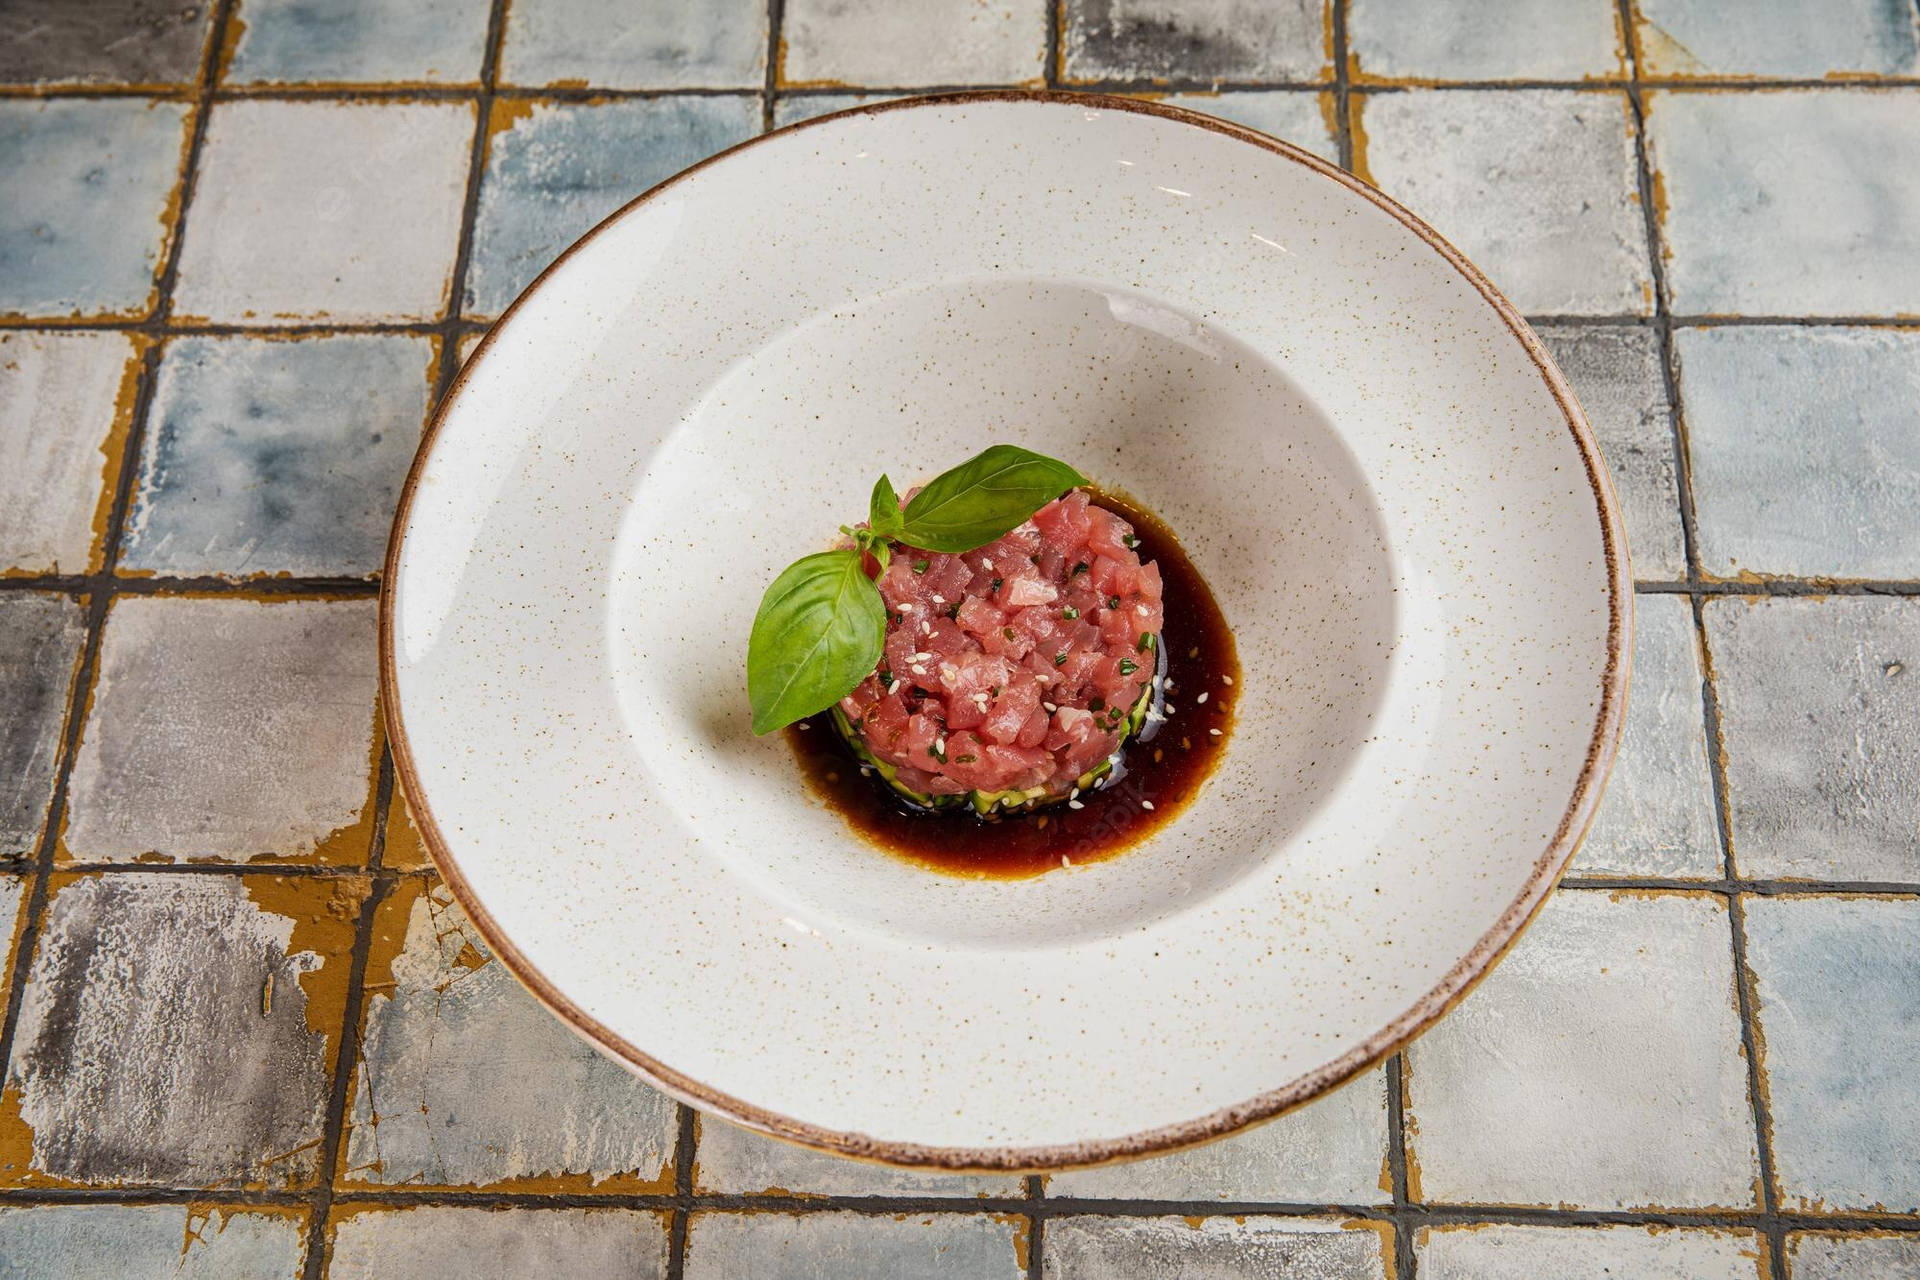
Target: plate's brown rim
{"type": "Point", "coordinates": [1388, 1040]}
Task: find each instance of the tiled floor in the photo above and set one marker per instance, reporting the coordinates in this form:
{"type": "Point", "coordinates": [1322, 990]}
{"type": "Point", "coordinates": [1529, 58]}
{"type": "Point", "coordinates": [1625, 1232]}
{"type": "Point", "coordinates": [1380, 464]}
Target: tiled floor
{"type": "Point", "coordinates": [245, 243]}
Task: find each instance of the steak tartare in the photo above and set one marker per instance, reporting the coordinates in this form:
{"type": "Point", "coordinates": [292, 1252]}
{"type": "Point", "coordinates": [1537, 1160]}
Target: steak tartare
{"type": "Point", "coordinates": [1013, 673]}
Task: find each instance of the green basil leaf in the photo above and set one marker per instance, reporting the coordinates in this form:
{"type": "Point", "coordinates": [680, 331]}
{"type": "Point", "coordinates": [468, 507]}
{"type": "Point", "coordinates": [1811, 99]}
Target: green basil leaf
{"type": "Point", "coordinates": [819, 632]}
{"type": "Point", "coordinates": [883, 510]}
{"type": "Point", "coordinates": [983, 498]}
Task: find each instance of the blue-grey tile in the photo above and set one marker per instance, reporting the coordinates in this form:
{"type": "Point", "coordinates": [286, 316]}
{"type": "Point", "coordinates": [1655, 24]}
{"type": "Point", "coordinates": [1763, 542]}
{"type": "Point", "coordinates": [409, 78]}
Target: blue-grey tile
{"type": "Point", "coordinates": [140, 42]}
{"type": "Point", "coordinates": [1202, 40]}
{"type": "Point", "coordinates": [1617, 376]}
{"type": "Point", "coordinates": [496, 1244]}
{"type": "Point", "coordinates": [792, 108]}
{"type": "Point", "coordinates": [636, 44]}
{"type": "Point", "coordinates": [84, 213]}
{"type": "Point", "coordinates": [1805, 446]}
{"type": "Point", "coordinates": [1838, 981]}
{"type": "Point", "coordinates": [1807, 39]}
{"type": "Point", "coordinates": [1820, 722]}
{"type": "Point", "coordinates": [1801, 202]}
{"type": "Point", "coordinates": [853, 1246]}
{"type": "Point", "coordinates": [1818, 1256]}
{"type": "Point", "coordinates": [558, 169]}
{"type": "Point", "coordinates": [1538, 187]}
{"type": "Point", "coordinates": [64, 397]}
{"type": "Point", "coordinates": [1331, 1151]}
{"type": "Point", "coordinates": [1597, 1067]}
{"type": "Point", "coordinates": [316, 209]}
{"type": "Point", "coordinates": [887, 44]}
{"type": "Point", "coordinates": [1480, 1251]}
{"type": "Point", "coordinates": [1300, 117]}
{"type": "Point", "coordinates": [271, 457]}
{"type": "Point", "coordinates": [1090, 1248]}
{"type": "Point", "coordinates": [228, 730]}
{"type": "Point", "coordinates": [466, 1080]}
{"type": "Point", "coordinates": [359, 42]}
{"type": "Point", "coordinates": [1657, 817]}
{"type": "Point", "coordinates": [1463, 40]}
{"type": "Point", "coordinates": [183, 1242]}
{"type": "Point", "coordinates": [179, 1030]}
{"type": "Point", "coordinates": [40, 639]}
{"type": "Point", "coordinates": [732, 1160]}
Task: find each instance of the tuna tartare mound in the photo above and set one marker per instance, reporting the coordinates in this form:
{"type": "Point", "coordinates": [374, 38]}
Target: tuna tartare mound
{"type": "Point", "coordinates": [1013, 673]}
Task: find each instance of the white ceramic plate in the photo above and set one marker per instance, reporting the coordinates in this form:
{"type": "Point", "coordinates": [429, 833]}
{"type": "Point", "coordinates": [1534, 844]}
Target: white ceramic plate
{"type": "Point", "coordinates": [1383, 477]}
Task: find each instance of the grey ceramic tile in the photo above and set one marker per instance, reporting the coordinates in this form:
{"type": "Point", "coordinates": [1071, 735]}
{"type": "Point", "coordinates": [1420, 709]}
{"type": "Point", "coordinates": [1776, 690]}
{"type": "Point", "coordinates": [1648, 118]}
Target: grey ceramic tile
{"type": "Point", "coordinates": [1197, 40]}
{"type": "Point", "coordinates": [1657, 817]}
{"type": "Point", "coordinates": [556, 169]}
{"type": "Point", "coordinates": [496, 1244]}
{"type": "Point", "coordinates": [142, 42]}
{"type": "Point", "coordinates": [40, 637]}
{"type": "Point", "coordinates": [1838, 981]}
{"type": "Point", "coordinates": [86, 213]}
{"type": "Point", "coordinates": [1616, 375]}
{"type": "Point", "coordinates": [64, 397]}
{"type": "Point", "coordinates": [621, 44]}
{"type": "Point", "coordinates": [314, 210]}
{"type": "Point", "coordinates": [1820, 720]}
{"type": "Point", "coordinates": [1479, 1251]}
{"type": "Point", "coordinates": [359, 42]}
{"type": "Point", "coordinates": [793, 108]}
{"type": "Point", "coordinates": [466, 1080]}
{"type": "Point", "coordinates": [885, 44]}
{"type": "Point", "coordinates": [1331, 1151]}
{"type": "Point", "coordinates": [1151, 1248]}
{"type": "Point", "coordinates": [228, 730]}
{"type": "Point", "coordinates": [179, 1030]}
{"type": "Point", "coordinates": [732, 1160]}
{"type": "Point", "coordinates": [271, 457]}
{"type": "Point", "coordinates": [1537, 187]}
{"type": "Point", "coordinates": [183, 1242]}
{"type": "Point", "coordinates": [1462, 40]}
{"type": "Point", "coordinates": [853, 1246]}
{"type": "Point", "coordinates": [1597, 1067]}
{"type": "Point", "coordinates": [1808, 39]}
{"type": "Point", "coordinates": [1802, 202]}
{"type": "Point", "coordinates": [1806, 449]}
{"type": "Point", "coordinates": [1835, 1257]}
{"type": "Point", "coordinates": [1303, 118]}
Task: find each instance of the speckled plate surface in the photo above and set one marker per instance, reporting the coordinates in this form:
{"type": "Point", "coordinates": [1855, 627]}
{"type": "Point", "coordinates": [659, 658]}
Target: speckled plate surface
{"type": "Point", "coordinates": [1382, 475]}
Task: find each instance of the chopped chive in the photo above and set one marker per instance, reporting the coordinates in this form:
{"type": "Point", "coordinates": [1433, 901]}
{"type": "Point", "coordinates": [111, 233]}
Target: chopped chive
{"type": "Point", "coordinates": [920, 566]}
{"type": "Point", "coordinates": [996, 584]}
{"type": "Point", "coordinates": [1079, 568]}
{"type": "Point", "coordinates": [937, 754]}
{"type": "Point", "coordinates": [964, 759]}
{"type": "Point", "coordinates": [1007, 632]}
{"type": "Point", "coordinates": [1098, 704]}
{"type": "Point", "coordinates": [1128, 666]}
{"type": "Point", "coordinates": [1146, 642]}
{"type": "Point", "coordinates": [1060, 659]}
{"type": "Point", "coordinates": [953, 610]}
{"type": "Point", "coordinates": [1130, 541]}
{"type": "Point", "coordinates": [886, 675]}
{"type": "Point", "coordinates": [1069, 613]}
{"type": "Point", "coordinates": [1113, 602]}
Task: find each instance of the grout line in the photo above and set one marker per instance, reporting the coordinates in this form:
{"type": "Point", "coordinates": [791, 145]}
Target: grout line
{"type": "Point", "coordinates": [469, 209]}
{"type": "Point", "coordinates": [1744, 997]}
{"type": "Point", "coordinates": [382, 810]}
{"type": "Point", "coordinates": [1056, 43]}
{"type": "Point", "coordinates": [1342, 87]}
{"type": "Point", "coordinates": [1405, 1265]}
{"type": "Point", "coordinates": [99, 593]}
{"type": "Point", "coordinates": [1036, 1185]}
{"type": "Point", "coordinates": [685, 1140]}
{"type": "Point", "coordinates": [345, 1063]}
{"type": "Point", "coordinates": [770, 86]}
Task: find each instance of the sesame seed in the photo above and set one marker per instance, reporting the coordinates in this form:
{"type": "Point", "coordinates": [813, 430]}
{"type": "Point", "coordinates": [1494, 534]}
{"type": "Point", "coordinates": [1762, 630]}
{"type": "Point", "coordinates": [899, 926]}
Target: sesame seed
{"type": "Point", "coordinates": [1202, 698]}
{"type": "Point", "coordinates": [1075, 804]}
{"type": "Point", "coordinates": [894, 687]}
{"type": "Point", "coordinates": [1146, 804]}
{"type": "Point", "coordinates": [940, 743]}
{"type": "Point", "coordinates": [1214, 732]}
{"type": "Point", "coordinates": [1065, 861]}
{"type": "Point", "coordinates": [939, 599]}
{"type": "Point", "coordinates": [1226, 679]}
{"type": "Point", "coordinates": [917, 669]}
{"type": "Point", "coordinates": [804, 726]}
{"type": "Point", "coordinates": [1051, 708]}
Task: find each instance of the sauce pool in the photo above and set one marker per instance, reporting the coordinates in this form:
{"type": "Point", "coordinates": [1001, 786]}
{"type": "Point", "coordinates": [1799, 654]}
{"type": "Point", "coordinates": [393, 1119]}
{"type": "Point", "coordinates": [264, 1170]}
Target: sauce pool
{"type": "Point", "coordinates": [1163, 767]}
